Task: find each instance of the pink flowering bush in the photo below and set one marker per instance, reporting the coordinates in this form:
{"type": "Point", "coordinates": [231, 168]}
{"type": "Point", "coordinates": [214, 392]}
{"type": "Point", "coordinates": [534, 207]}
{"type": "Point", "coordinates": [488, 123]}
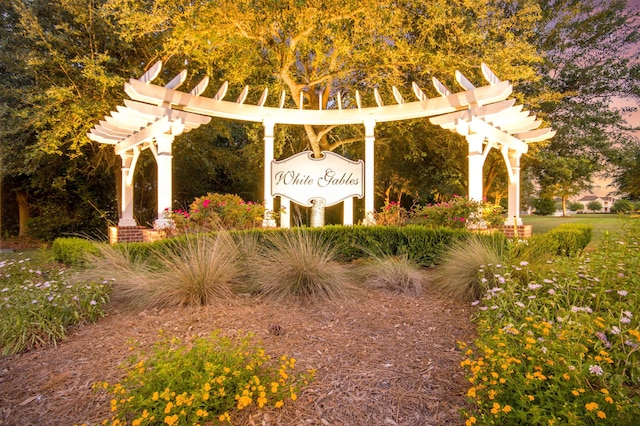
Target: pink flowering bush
{"type": "Point", "coordinates": [392, 214]}
{"type": "Point", "coordinates": [458, 212]}
{"type": "Point", "coordinates": [214, 211]}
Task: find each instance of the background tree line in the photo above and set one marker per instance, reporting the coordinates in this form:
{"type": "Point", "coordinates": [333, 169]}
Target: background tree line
{"type": "Point", "coordinates": [63, 64]}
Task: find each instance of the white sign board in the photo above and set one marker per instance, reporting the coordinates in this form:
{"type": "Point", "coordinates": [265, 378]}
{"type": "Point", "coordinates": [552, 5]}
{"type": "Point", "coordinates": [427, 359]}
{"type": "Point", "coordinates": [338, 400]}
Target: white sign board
{"type": "Point", "coordinates": [302, 178]}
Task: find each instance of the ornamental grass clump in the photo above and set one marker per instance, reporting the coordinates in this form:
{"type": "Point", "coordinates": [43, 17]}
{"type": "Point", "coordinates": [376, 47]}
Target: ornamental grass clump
{"type": "Point", "coordinates": [205, 382]}
{"type": "Point", "coordinates": [197, 270]}
{"type": "Point", "coordinates": [398, 274]}
{"type": "Point", "coordinates": [563, 346]}
{"type": "Point", "coordinates": [38, 304]}
{"type": "Point", "coordinates": [300, 265]}
{"type": "Point", "coordinates": [464, 272]}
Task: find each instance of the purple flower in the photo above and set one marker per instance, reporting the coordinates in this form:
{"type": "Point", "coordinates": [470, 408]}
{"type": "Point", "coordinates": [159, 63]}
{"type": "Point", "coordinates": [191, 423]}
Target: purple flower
{"type": "Point", "coordinates": [622, 292]}
{"type": "Point", "coordinates": [603, 338]}
{"type": "Point", "coordinates": [596, 369]}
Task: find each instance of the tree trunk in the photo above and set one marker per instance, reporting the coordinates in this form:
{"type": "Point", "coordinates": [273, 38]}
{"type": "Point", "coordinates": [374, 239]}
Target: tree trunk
{"type": "Point", "coordinates": [564, 205]}
{"type": "Point", "coordinates": [23, 212]}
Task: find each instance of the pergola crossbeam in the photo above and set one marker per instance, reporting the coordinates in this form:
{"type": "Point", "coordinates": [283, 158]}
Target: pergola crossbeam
{"type": "Point", "coordinates": [212, 107]}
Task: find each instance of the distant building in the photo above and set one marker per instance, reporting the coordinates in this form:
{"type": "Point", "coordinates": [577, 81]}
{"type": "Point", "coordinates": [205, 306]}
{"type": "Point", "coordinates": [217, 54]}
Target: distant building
{"type": "Point", "coordinates": [607, 202]}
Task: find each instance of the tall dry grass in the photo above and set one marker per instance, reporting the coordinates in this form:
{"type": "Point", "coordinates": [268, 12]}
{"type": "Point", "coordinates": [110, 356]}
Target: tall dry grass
{"type": "Point", "coordinates": [199, 271]}
{"type": "Point", "coordinates": [458, 274]}
{"type": "Point", "coordinates": [299, 265]}
{"type": "Point", "coordinates": [398, 274]}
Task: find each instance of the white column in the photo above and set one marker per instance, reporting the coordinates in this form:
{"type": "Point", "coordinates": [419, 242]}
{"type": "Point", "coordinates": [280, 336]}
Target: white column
{"type": "Point", "coordinates": [369, 172]}
{"type": "Point", "coordinates": [476, 161]}
{"type": "Point", "coordinates": [513, 211]}
{"type": "Point", "coordinates": [126, 191]}
{"type": "Point", "coordinates": [165, 179]}
{"type": "Point", "coordinates": [269, 126]}
{"type": "Point", "coordinates": [347, 212]}
{"type": "Point", "coordinates": [285, 212]}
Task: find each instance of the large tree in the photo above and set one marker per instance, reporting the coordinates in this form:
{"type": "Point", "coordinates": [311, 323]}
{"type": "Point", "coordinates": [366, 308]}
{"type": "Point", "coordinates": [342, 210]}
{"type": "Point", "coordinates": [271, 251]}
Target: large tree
{"type": "Point", "coordinates": [591, 60]}
{"type": "Point", "coordinates": [317, 49]}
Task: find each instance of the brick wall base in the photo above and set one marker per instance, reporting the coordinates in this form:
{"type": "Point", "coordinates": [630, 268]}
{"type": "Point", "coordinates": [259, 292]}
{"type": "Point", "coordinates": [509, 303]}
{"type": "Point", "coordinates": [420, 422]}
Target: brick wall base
{"type": "Point", "coordinates": [522, 231]}
{"type": "Point", "coordinates": [134, 234]}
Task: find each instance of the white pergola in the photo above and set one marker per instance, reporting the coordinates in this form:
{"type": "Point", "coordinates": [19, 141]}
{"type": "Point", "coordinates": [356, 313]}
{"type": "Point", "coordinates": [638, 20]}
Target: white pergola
{"type": "Point", "coordinates": [155, 115]}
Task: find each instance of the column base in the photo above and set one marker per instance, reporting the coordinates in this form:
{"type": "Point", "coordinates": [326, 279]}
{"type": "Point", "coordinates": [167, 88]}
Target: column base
{"type": "Point", "coordinates": [521, 231]}
{"type": "Point", "coordinates": [134, 234]}
{"type": "Point", "coordinates": [127, 221]}
{"type": "Point", "coordinates": [369, 219]}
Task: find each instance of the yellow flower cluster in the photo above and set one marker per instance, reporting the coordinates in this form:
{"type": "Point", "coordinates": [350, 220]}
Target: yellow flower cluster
{"type": "Point", "coordinates": [202, 391]}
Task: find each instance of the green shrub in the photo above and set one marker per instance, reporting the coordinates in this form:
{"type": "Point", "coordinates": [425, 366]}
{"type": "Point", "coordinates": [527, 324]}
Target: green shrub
{"type": "Point", "coordinates": [576, 207]}
{"type": "Point", "coordinates": [544, 206]}
{"type": "Point", "coordinates": [422, 244]}
{"type": "Point", "coordinates": [204, 382]}
{"type": "Point", "coordinates": [622, 206]}
{"type": "Point", "coordinates": [73, 251]}
{"type": "Point", "coordinates": [566, 239]}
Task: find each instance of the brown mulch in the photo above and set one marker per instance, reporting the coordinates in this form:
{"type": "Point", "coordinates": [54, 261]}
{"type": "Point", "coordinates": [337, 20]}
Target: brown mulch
{"type": "Point", "coordinates": [381, 359]}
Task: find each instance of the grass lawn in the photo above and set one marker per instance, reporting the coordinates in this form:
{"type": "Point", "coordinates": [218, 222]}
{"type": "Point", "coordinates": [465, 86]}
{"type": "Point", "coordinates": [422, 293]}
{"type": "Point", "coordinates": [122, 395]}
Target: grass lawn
{"type": "Point", "coordinates": [601, 223]}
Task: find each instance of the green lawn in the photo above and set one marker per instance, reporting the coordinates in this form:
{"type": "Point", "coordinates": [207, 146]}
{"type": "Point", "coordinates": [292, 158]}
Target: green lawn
{"type": "Point", "coordinates": [601, 223]}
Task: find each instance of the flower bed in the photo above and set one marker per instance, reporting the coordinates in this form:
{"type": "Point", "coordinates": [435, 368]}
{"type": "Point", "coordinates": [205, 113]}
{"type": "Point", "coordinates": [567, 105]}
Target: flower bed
{"type": "Point", "coordinates": [559, 343]}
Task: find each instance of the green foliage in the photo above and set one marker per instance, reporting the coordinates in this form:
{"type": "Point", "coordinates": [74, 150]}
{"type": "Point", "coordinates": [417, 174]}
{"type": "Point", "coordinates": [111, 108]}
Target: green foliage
{"type": "Point", "coordinates": [576, 207]}
{"type": "Point", "coordinates": [299, 265]}
{"type": "Point", "coordinates": [458, 212]}
{"type": "Point", "coordinates": [627, 175]}
{"type": "Point", "coordinates": [567, 239]}
{"type": "Point", "coordinates": [594, 206]}
{"type": "Point", "coordinates": [559, 345]}
{"type": "Point", "coordinates": [38, 304]}
{"type": "Point", "coordinates": [622, 206]}
{"type": "Point", "coordinates": [73, 250]}
{"type": "Point", "coordinates": [206, 381]}
{"type": "Point", "coordinates": [544, 206]}
{"type": "Point", "coordinates": [350, 242]}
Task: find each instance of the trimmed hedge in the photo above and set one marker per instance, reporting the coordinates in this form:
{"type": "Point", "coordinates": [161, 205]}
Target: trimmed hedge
{"type": "Point", "coordinates": [567, 239]}
{"type": "Point", "coordinates": [422, 244]}
{"type": "Point", "coordinates": [73, 250]}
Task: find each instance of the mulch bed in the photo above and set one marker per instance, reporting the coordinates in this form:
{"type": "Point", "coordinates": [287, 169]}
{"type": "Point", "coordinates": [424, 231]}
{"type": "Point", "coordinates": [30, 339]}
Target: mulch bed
{"type": "Point", "coordinates": [381, 359]}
